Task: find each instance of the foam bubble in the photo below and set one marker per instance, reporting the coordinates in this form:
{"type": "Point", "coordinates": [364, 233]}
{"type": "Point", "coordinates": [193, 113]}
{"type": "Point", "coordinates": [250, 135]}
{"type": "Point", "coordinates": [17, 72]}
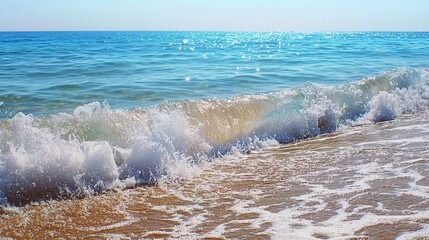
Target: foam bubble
{"type": "Point", "coordinates": [38, 164]}
{"type": "Point", "coordinates": [384, 107]}
{"type": "Point", "coordinates": [99, 166]}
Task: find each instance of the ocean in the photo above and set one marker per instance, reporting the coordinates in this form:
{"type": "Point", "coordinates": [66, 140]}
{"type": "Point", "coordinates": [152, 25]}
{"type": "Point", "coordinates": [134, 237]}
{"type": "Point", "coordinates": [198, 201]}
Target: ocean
{"type": "Point", "coordinates": [190, 135]}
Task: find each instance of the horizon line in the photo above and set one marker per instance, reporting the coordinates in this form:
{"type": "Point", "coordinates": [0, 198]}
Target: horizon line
{"type": "Point", "coordinates": [176, 30]}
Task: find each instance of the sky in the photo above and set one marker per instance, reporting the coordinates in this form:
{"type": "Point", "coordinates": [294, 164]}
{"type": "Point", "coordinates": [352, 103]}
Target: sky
{"type": "Point", "coordinates": [227, 15]}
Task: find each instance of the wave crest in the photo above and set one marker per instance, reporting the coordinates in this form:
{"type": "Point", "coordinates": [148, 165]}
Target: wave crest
{"type": "Point", "coordinates": [97, 148]}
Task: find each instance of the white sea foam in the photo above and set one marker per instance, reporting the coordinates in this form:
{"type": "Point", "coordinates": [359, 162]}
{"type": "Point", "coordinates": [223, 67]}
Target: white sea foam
{"type": "Point", "coordinates": [372, 192]}
{"type": "Point", "coordinates": [384, 107]}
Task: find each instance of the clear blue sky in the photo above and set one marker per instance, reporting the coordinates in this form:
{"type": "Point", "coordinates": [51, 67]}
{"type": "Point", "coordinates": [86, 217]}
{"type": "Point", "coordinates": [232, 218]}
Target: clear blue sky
{"type": "Point", "coordinates": [260, 15]}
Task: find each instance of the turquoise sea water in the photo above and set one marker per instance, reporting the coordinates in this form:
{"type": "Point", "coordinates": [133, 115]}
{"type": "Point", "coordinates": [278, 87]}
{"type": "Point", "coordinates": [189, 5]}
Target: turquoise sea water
{"type": "Point", "coordinates": [51, 72]}
{"type": "Point", "coordinates": [82, 112]}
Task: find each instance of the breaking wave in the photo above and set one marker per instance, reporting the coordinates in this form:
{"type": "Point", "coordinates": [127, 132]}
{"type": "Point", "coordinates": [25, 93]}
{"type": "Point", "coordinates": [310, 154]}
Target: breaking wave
{"type": "Point", "coordinates": [97, 148]}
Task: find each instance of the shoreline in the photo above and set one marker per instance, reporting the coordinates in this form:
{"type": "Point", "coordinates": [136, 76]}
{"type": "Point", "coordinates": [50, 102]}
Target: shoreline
{"type": "Point", "coordinates": [312, 188]}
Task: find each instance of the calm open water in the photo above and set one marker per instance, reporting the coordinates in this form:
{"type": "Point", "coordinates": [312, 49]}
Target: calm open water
{"type": "Point", "coordinates": [50, 72]}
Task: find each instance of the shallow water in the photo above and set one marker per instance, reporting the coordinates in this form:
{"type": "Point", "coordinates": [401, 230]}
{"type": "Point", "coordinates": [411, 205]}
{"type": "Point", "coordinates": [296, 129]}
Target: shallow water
{"type": "Point", "coordinates": [370, 180]}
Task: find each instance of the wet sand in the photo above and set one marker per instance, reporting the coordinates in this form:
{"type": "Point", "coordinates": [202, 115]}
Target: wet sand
{"type": "Point", "coordinates": [364, 182]}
